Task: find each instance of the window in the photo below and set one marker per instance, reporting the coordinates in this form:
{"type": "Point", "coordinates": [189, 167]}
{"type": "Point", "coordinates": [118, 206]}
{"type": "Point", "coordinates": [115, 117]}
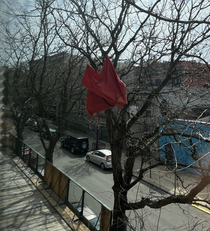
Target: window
{"type": "Point", "coordinates": [145, 128]}
{"type": "Point", "coordinates": [150, 72]}
{"type": "Point", "coordinates": [158, 72]}
{"type": "Point", "coordinates": [178, 71]}
{"type": "Point", "coordinates": [157, 82]}
{"type": "Point", "coordinates": [101, 154]}
{"type": "Point", "coordinates": [176, 81]}
{"type": "Point", "coordinates": [96, 153]}
{"type": "Point", "coordinates": [165, 71]}
{"type": "Point", "coordinates": [148, 113]}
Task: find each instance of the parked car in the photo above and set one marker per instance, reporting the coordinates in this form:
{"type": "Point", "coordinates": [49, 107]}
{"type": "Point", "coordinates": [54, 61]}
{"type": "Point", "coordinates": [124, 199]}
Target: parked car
{"type": "Point", "coordinates": [76, 143]}
{"type": "Point", "coordinates": [53, 130]}
{"type": "Point", "coordinates": [101, 157]}
{"type": "Point", "coordinates": [29, 122]}
{"type": "Point", "coordinates": [5, 108]}
{"type": "Point", "coordinates": [33, 125]}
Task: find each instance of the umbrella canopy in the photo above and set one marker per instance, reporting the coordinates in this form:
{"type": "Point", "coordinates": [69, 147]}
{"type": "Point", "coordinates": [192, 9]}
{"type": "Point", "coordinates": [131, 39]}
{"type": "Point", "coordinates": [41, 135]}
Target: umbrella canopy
{"type": "Point", "coordinates": [105, 89]}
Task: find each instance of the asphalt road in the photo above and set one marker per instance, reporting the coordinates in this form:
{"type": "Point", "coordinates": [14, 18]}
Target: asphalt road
{"type": "Point", "coordinates": [99, 183]}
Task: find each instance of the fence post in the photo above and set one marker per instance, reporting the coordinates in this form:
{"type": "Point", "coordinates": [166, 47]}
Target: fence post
{"type": "Point", "coordinates": [106, 216]}
{"type": "Point", "coordinates": [67, 192]}
{"type": "Point", "coordinates": [29, 159]}
{"type": "Point", "coordinates": [22, 151]}
{"type": "Point", "coordinates": [37, 162]}
{"type": "Point", "coordinates": [13, 144]}
{"type": "Point", "coordinates": [18, 147]}
{"type": "Point", "coordinates": [82, 204]}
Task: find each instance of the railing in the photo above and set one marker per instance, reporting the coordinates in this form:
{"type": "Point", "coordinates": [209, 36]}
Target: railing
{"type": "Point", "coordinates": [94, 214]}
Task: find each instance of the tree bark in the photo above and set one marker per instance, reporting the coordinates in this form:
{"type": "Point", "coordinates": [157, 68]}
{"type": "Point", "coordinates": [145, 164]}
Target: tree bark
{"type": "Point", "coordinates": [120, 194]}
{"type": "Point", "coordinates": [49, 152]}
{"type": "Point", "coordinates": [19, 129]}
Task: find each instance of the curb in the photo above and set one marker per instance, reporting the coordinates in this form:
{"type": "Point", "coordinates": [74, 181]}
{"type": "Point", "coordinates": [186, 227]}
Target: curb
{"type": "Point", "coordinates": [154, 185]}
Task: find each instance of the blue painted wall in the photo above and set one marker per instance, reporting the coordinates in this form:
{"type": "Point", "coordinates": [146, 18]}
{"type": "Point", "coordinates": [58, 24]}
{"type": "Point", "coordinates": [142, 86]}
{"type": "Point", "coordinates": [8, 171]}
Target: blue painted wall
{"type": "Point", "coordinates": [179, 149]}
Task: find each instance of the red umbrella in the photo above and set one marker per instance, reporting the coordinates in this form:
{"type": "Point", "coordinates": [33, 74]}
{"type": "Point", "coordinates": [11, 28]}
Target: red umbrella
{"type": "Point", "coordinates": [105, 89]}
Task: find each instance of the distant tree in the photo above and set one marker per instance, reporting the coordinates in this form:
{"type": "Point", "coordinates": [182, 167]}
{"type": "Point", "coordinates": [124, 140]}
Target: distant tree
{"type": "Point", "coordinates": [14, 101]}
{"type": "Point", "coordinates": [4, 125]}
{"type": "Point", "coordinates": [46, 75]}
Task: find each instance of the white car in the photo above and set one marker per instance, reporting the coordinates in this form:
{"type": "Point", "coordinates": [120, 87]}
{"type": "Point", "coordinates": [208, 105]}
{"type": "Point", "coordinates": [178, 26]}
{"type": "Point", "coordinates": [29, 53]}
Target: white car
{"type": "Point", "coordinates": [101, 157]}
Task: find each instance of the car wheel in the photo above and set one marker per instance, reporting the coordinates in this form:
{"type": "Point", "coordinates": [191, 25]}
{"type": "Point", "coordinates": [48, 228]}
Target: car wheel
{"type": "Point", "coordinates": [88, 158]}
{"type": "Point", "coordinates": [102, 166]}
{"type": "Point", "coordinates": [72, 150]}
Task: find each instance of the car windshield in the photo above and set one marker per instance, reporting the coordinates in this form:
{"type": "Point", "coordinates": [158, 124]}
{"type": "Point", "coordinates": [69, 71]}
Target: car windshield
{"type": "Point", "coordinates": [52, 130]}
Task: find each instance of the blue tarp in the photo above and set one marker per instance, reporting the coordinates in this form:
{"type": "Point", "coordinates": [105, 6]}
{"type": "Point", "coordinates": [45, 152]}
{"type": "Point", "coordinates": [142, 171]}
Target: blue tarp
{"type": "Point", "coordinates": [181, 150]}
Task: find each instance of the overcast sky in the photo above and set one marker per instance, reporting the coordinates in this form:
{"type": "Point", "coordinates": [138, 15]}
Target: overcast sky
{"type": "Point", "coordinates": [6, 16]}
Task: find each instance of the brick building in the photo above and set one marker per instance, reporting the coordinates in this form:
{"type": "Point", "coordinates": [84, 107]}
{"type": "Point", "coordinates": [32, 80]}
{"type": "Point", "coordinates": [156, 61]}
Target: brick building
{"type": "Point", "coordinates": [187, 73]}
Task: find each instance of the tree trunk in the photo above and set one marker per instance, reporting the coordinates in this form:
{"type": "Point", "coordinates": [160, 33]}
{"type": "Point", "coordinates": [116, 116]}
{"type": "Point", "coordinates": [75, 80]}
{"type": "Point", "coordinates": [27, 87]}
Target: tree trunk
{"type": "Point", "coordinates": [120, 194]}
{"type": "Point", "coordinates": [19, 144]}
{"type": "Point", "coordinates": [49, 152]}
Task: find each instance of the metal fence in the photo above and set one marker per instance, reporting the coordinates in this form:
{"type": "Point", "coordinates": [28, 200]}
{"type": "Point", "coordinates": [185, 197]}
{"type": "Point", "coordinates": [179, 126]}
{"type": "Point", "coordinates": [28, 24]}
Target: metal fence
{"type": "Point", "coordinates": [94, 214]}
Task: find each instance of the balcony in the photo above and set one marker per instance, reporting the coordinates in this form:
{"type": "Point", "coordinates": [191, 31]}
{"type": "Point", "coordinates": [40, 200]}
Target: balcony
{"type": "Point", "coordinates": [36, 195]}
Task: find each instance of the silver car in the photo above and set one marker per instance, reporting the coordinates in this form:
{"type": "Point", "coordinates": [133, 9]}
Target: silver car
{"type": "Point", "coordinates": [101, 157]}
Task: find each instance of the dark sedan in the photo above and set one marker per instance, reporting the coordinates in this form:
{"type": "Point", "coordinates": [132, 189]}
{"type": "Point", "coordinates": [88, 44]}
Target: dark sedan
{"type": "Point", "coordinates": [33, 125]}
{"type": "Point", "coordinates": [53, 130]}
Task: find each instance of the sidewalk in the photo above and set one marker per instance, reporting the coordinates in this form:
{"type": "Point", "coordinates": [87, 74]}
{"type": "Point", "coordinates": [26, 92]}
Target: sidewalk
{"type": "Point", "coordinates": [177, 181]}
{"type": "Point", "coordinates": [25, 204]}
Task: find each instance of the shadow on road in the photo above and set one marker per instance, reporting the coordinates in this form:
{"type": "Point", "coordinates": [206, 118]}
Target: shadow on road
{"type": "Point", "coordinates": [67, 152]}
{"type": "Point", "coordinates": [75, 165]}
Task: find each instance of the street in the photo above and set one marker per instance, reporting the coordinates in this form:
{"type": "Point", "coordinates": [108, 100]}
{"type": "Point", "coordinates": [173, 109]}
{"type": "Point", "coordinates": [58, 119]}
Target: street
{"type": "Point", "coordinates": [99, 183]}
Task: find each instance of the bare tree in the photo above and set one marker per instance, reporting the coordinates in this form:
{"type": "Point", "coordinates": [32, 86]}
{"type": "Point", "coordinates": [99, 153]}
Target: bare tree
{"type": "Point", "coordinates": [46, 74]}
{"type": "Point", "coordinates": [147, 44]}
{"type": "Point", "coordinates": [138, 37]}
{"type": "Point", "coordinates": [15, 100]}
